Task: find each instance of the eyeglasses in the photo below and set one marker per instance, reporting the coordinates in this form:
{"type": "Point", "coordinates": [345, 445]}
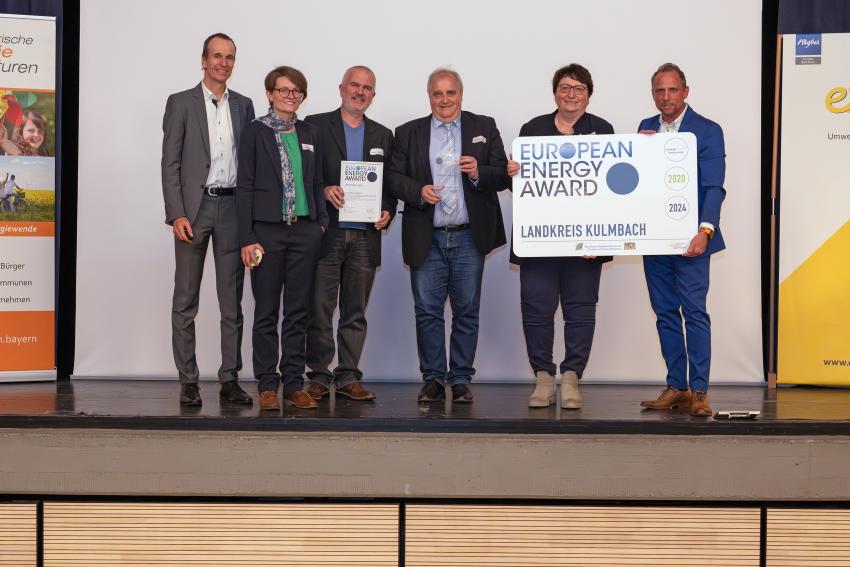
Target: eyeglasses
{"type": "Point", "coordinates": [286, 93]}
{"type": "Point", "coordinates": [567, 89]}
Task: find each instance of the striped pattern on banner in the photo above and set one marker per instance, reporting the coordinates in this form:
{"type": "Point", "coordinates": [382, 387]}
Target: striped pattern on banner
{"type": "Point", "coordinates": [808, 538]}
{"type": "Point", "coordinates": [133, 535]}
{"type": "Point", "coordinates": [528, 536]}
{"type": "Point", "coordinates": [17, 535]}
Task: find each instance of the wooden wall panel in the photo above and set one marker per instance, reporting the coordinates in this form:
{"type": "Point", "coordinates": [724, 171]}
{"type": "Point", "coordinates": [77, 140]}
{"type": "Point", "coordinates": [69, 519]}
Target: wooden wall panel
{"type": "Point", "coordinates": [526, 536]}
{"type": "Point", "coordinates": [808, 538]}
{"type": "Point", "coordinates": [17, 535]}
{"type": "Point", "coordinates": [133, 534]}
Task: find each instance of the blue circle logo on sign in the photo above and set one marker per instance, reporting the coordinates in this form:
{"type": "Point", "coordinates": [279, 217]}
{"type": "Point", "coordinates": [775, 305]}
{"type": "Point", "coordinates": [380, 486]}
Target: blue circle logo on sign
{"type": "Point", "coordinates": [567, 150]}
{"type": "Point", "coordinates": [622, 178]}
{"type": "Point", "coordinates": [372, 176]}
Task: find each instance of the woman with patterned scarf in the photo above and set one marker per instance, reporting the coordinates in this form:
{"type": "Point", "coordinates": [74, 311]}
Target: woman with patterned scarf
{"type": "Point", "coordinates": [282, 217]}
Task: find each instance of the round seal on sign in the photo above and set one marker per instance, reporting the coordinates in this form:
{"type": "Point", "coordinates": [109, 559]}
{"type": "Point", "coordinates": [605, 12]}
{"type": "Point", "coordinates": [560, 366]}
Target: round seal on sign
{"type": "Point", "coordinates": [677, 207]}
{"type": "Point", "coordinates": [676, 149]}
{"type": "Point", "coordinates": [676, 178]}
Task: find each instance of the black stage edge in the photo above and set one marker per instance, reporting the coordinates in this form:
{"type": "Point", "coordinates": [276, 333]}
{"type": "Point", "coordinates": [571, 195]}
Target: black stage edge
{"type": "Point", "coordinates": [498, 408]}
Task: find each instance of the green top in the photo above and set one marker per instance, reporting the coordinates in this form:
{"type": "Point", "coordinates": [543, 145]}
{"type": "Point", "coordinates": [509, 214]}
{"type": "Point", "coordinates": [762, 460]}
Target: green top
{"type": "Point", "coordinates": [290, 143]}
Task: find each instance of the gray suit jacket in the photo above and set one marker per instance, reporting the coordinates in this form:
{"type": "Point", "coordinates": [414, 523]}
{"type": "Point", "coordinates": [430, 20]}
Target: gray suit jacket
{"type": "Point", "coordinates": [186, 148]}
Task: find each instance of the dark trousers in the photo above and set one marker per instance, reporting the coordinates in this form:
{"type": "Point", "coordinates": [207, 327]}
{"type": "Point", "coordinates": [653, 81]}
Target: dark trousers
{"type": "Point", "coordinates": [289, 264]}
{"type": "Point", "coordinates": [678, 287]}
{"type": "Point", "coordinates": [453, 270]}
{"type": "Point", "coordinates": [216, 221]}
{"type": "Point", "coordinates": [544, 282]}
{"type": "Point", "coordinates": [345, 275]}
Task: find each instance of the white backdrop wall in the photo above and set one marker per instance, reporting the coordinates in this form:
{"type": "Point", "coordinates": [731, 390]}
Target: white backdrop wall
{"type": "Point", "coordinates": [133, 54]}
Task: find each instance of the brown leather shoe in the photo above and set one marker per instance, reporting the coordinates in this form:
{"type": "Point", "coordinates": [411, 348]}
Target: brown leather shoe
{"type": "Point", "coordinates": [269, 401]}
{"type": "Point", "coordinates": [671, 398]}
{"type": "Point", "coordinates": [700, 405]}
{"type": "Point", "coordinates": [355, 391]}
{"type": "Point", "coordinates": [299, 399]}
{"type": "Point", "coordinates": [317, 390]}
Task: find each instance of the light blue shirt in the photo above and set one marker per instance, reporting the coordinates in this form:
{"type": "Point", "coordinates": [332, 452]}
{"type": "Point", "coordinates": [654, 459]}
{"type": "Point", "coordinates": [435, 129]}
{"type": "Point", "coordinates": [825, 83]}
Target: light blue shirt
{"type": "Point", "coordinates": [438, 133]}
{"type": "Point", "coordinates": [353, 152]}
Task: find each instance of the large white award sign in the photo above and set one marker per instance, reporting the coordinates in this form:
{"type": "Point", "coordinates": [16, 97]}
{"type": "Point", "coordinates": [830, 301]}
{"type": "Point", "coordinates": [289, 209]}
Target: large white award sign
{"type": "Point", "coordinates": [622, 194]}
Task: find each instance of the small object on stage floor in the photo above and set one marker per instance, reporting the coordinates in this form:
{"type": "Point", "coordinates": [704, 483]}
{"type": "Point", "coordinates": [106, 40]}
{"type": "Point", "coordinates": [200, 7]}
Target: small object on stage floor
{"type": "Point", "coordinates": [738, 414]}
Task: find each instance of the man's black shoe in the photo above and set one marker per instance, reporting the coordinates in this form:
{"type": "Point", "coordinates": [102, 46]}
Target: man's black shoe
{"type": "Point", "coordinates": [232, 393]}
{"type": "Point", "coordinates": [462, 393]}
{"type": "Point", "coordinates": [190, 395]}
{"type": "Point", "coordinates": [432, 391]}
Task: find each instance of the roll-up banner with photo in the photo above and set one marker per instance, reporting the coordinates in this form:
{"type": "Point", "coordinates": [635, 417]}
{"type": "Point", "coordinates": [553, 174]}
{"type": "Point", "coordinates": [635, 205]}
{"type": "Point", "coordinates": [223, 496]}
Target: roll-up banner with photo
{"type": "Point", "coordinates": [27, 196]}
{"type": "Point", "coordinates": [814, 236]}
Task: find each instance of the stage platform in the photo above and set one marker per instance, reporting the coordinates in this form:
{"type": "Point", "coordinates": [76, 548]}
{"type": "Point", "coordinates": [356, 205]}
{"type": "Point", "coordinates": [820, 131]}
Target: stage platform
{"type": "Point", "coordinates": [498, 408]}
{"type": "Point", "coordinates": [111, 437]}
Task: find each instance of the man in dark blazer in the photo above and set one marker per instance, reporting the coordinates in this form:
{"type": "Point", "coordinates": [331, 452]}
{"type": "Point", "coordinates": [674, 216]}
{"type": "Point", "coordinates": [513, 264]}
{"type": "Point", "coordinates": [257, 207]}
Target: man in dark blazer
{"type": "Point", "coordinates": [678, 285]}
{"type": "Point", "coordinates": [448, 168]}
{"type": "Point", "coordinates": [351, 251]}
{"type": "Point", "coordinates": [201, 130]}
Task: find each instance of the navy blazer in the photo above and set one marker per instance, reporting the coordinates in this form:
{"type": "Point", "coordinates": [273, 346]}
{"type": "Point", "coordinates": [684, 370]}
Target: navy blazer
{"type": "Point", "coordinates": [410, 170]}
{"type": "Point", "coordinates": [711, 169]}
{"type": "Point", "coordinates": [331, 135]}
{"type": "Point", "coordinates": [259, 182]}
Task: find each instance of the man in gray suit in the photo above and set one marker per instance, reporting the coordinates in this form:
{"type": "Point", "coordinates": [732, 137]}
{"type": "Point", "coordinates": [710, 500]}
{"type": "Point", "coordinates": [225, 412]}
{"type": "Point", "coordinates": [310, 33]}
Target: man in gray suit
{"type": "Point", "coordinates": [201, 130]}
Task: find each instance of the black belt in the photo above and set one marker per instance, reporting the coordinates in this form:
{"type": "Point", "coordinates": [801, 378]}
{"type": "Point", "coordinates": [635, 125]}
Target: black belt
{"type": "Point", "coordinates": [218, 191]}
{"type": "Point", "coordinates": [293, 219]}
{"type": "Point", "coordinates": [452, 227]}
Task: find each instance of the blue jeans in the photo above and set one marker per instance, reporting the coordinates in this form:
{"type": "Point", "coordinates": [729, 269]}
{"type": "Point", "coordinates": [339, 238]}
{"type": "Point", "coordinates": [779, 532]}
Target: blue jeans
{"type": "Point", "coordinates": [678, 287]}
{"type": "Point", "coordinates": [453, 271]}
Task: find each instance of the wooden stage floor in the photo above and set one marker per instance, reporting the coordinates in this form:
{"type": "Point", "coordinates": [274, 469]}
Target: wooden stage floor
{"type": "Point", "coordinates": [498, 408]}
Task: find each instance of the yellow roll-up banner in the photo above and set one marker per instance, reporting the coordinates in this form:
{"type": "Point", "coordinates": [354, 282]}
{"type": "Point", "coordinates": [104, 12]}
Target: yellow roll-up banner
{"type": "Point", "coordinates": [814, 211]}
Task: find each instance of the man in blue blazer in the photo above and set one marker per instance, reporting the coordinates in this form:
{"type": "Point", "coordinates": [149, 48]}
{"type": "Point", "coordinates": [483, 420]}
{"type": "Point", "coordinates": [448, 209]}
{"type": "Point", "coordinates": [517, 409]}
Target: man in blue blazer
{"type": "Point", "coordinates": [678, 285]}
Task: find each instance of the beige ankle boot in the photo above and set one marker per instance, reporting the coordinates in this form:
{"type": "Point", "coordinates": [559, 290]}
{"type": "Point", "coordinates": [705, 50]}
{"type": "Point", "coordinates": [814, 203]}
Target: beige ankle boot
{"type": "Point", "coordinates": [570, 395]}
{"type": "Point", "coordinates": [544, 391]}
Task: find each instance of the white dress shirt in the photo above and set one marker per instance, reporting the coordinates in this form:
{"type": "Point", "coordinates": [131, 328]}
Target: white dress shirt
{"type": "Point", "coordinates": [222, 143]}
